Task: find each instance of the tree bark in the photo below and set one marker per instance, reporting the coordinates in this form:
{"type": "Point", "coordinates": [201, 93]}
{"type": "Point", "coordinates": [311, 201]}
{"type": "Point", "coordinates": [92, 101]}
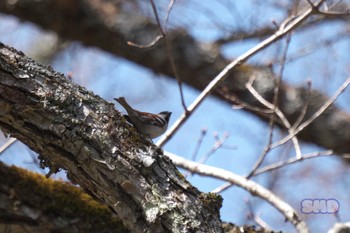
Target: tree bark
{"type": "Point", "coordinates": [73, 129]}
{"type": "Point", "coordinates": [33, 204]}
{"type": "Point", "coordinates": [91, 22]}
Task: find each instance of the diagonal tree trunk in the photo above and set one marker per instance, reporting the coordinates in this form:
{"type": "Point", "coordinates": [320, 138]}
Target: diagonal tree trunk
{"type": "Point", "coordinates": [73, 129]}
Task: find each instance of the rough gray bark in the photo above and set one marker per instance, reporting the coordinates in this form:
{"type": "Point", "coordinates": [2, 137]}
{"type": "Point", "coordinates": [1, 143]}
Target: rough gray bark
{"type": "Point", "coordinates": [92, 21]}
{"type": "Point", "coordinates": [73, 129]}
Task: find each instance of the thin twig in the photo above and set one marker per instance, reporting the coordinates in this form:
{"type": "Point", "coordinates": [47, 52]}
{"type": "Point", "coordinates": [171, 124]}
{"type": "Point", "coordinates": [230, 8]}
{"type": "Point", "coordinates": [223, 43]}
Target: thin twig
{"type": "Point", "coordinates": [292, 160]}
{"type": "Point", "coordinates": [278, 165]}
{"type": "Point", "coordinates": [217, 145]}
{"type": "Point", "coordinates": [169, 54]}
{"type": "Point", "coordinates": [157, 17]}
{"type": "Point", "coordinates": [7, 145]}
{"type": "Point", "coordinates": [275, 109]}
{"type": "Point", "coordinates": [199, 143]}
{"type": "Point", "coordinates": [284, 121]}
{"type": "Point", "coordinates": [167, 46]}
{"type": "Point", "coordinates": [150, 45]}
{"type": "Point", "coordinates": [223, 74]}
{"type": "Point", "coordinates": [326, 105]}
{"type": "Point", "coordinates": [196, 150]}
{"type": "Point", "coordinates": [304, 109]}
{"type": "Point", "coordinates": [170, 7]}
{"type": "Point", "coordinates": [315, 46]}
{"type": "Point", "coordinates": [253, 217]}
{"type": "Point", "coordinates": [153, 42]}
{"type": "Point", "coordinates": [239, 105]}
{"type": "Point", "coordinates": [293, 132]}
{"type": "Point", "coordinates": [222, 187]}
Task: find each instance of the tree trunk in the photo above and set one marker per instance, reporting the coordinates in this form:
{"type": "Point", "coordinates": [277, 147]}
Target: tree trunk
{"type": "Point", "coordinates": [73, 129]}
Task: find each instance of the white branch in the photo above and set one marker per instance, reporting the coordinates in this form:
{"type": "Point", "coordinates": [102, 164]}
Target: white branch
{"type": "Point", "coordinates": [249, 185]}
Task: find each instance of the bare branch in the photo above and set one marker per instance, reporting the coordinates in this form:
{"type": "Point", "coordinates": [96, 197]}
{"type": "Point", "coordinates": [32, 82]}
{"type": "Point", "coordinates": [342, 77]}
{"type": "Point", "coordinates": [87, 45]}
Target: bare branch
{"type": "Point", "coordinates": [249, 185]}
{"type": "Point", "coordinates": [278, 165]}
{"type": "Point", "coordinates": [170, 7]}
{"type": "Point", "coordinates": [169, 53]}
{"type": "Point", "coordinates": [223, 74]}
{"type": "Point", "coordinates": [292, 160]}
{"type": "Point", "coordinates": [283, 119]}
{"type": "Point", "coordinates": [7, 145]}
{"type": "Point", "coordinates": [217, 145]}
{"type": "Point", "coordinates": [151, 44]}
{"type": "Point", "coordinates": [252, 216]}
{"type": "Point", "coordinates": [315, 115]}
{"type": "Point", "coordinates": [304, 109]}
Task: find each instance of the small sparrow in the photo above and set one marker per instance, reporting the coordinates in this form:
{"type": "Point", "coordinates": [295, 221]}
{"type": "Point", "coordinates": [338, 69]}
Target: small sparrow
{"type": "Point", "coordinates": [149, 124]}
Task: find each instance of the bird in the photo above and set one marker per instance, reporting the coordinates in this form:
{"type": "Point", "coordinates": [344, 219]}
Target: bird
{"type": "Point", "coordinates": [149, 124]}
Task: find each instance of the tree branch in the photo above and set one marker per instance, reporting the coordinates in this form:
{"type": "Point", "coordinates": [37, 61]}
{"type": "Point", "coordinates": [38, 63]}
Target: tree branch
{"type": "Point", "coordinates": [73, 129]}
{"type": "Point", "coordinates": [249, 185]}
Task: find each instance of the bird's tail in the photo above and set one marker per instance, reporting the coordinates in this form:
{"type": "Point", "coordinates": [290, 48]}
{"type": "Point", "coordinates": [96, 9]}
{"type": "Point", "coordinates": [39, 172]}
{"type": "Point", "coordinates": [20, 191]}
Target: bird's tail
{"type": "Point", "coordinates": [122, 102]}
